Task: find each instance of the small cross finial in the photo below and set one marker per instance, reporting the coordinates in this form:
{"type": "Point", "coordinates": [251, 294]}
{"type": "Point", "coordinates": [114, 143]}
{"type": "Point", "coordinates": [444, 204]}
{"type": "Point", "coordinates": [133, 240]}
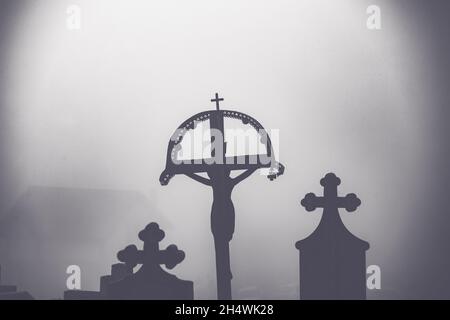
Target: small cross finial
{"type": "Point", "coordinates": [217, 100]}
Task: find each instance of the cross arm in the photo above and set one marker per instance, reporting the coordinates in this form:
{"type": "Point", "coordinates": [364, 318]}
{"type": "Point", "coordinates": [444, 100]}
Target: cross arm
{"type": "Point", "coordinates": [171, 257]}
{"type": "Point", "coordinates": [203, 165]}
{"type": "Point", "coordinates": [311, 202]}
{"type": "Point", "coordinates": [131, 256]}
{"type": "Point", "coordinates": [350, 202]}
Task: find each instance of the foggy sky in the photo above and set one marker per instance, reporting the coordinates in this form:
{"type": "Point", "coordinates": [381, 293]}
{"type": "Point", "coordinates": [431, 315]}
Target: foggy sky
{"type": "Point", "coordinates": [95, 109]}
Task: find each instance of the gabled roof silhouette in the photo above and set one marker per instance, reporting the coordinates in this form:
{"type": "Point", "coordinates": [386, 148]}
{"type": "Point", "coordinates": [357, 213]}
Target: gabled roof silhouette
{"type": "Point", "coordinates": [332, 229]}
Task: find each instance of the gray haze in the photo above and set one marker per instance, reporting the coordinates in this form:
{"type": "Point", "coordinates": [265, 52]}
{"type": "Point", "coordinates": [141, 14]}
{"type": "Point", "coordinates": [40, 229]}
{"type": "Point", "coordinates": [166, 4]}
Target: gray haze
{"type": "Point", "coordinates": [94, 109]}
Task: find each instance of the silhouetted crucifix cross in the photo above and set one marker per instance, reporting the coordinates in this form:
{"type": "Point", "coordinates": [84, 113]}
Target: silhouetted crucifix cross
{"type": "Point", "coordinates": [221, 180]}
{"type": "Point", "coordinates": [330, 200]}
{"type": "Point", "coordinates": [222, 212]}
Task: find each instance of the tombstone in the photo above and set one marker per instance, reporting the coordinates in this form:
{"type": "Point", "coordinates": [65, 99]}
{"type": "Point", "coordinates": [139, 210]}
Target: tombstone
{"type": "Point", "coordinates": [8, 292]}
{"type": "Point", "coordinates": [118, 272]}
{"type": "Point", "coordinates": [150, 282]}
{"type": "Point", "coordinates": [332, 259]}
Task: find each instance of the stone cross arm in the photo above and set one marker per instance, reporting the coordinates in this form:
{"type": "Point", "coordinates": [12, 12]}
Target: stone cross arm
{"type": "Point", "coordinates": [350, 202]}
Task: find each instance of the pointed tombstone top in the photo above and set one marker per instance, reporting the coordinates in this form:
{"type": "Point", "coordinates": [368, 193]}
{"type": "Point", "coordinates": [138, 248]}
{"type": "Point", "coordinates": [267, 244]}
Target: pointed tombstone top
{"type": "Point", "coordinates": [331, 203]}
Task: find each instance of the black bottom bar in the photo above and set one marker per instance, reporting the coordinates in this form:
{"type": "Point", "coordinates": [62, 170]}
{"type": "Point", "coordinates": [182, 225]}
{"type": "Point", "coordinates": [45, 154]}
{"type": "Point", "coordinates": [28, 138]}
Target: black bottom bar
{"type": "Point", "coordinates": [207, 309]}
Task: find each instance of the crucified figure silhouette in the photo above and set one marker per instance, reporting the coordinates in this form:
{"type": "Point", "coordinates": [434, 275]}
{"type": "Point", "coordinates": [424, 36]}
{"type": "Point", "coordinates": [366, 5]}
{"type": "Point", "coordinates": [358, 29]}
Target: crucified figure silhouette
{"type": "Point", "coordinates": [222, 220]}
{"type": "Point", "coordinates": [220, 179]}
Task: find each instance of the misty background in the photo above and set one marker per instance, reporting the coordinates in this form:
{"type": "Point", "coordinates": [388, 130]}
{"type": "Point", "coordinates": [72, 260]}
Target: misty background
{"type": "Point", "coordinates": [86, 116]}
